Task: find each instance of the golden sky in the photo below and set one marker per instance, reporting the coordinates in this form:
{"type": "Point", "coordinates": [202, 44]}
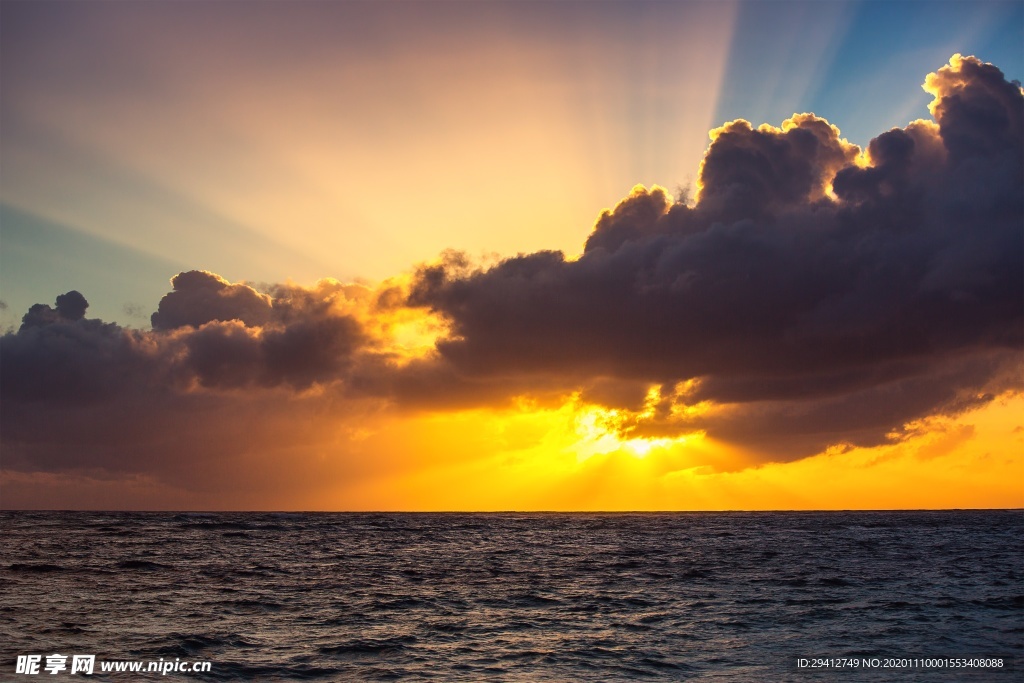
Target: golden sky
{"type": "Point", "coordinates": [393, 285]}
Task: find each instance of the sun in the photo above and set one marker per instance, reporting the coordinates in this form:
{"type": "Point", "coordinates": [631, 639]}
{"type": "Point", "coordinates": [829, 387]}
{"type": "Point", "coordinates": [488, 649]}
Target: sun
{"type": "Point", "coordinates": [600, 430]}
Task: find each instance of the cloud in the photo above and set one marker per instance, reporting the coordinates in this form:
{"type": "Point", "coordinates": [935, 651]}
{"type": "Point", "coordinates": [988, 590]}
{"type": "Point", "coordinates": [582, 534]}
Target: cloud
{"type": "Point", "coordinates": [821, 291]}
{"type": "Point", "coordinates": [200, 297]}
{"type": "Point", "coordinates": [59, 356]}
{"type": "Point", "coordinates": [207, 332]}
{"type": "Point", "coordinates": [759, 173]}
{"type": "Point", "coordinates": [978, 111]}
{"type": "Point", "coordinates": [814, 294]}
{"type": "Point", "coordinates": [230, 355]}
{"type": "Point", "coordinates": [69, 307]}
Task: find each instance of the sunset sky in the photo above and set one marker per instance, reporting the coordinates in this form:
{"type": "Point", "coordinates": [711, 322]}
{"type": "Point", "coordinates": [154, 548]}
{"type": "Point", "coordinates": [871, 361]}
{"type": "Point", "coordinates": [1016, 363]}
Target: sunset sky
{"type": "Point", "coordinates": [511, 255]}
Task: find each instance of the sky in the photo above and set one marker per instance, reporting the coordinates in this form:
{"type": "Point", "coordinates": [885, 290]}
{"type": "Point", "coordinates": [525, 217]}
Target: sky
{"type": "Point", "coordinates": [511, 255]}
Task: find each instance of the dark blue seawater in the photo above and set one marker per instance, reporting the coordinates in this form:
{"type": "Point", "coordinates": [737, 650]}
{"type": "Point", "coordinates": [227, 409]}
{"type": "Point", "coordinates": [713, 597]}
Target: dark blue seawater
{"type": "Point", "coordinates": [515, 597]}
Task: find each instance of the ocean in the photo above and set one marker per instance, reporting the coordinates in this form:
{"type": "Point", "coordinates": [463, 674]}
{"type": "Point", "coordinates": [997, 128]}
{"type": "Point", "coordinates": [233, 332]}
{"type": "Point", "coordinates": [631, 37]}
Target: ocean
{"type": "Point", "coordinates": [773, 596]}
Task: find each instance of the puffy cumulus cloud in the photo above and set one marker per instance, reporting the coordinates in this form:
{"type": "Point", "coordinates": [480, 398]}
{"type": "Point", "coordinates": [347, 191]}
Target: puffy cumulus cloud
{"type": "Point", "coordinates": [822, 293]}
{"type": "Point", "coordinates": [289, 335]}
{"type": "Point", "coordinates": [207, 333]}
{"type": "Point", "coordinates": [758, 173]}
{"type": "Point", "coordinates": [978, 111]}
{"type": "Point", "coordinates": [60, 356]}
{"type": "Point", "coordinates": [68, 307]}
{"type": "Point", "coordinates": [307, 352]}
{"type": "Point", "coordinates": [200, 297]}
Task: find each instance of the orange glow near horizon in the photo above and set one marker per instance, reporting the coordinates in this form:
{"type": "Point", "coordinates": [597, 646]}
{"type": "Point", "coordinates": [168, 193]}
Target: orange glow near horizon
{"type": "Point", "coordinates": [564, 458]}
{"type": "Point", "coordinates": [567, 458]}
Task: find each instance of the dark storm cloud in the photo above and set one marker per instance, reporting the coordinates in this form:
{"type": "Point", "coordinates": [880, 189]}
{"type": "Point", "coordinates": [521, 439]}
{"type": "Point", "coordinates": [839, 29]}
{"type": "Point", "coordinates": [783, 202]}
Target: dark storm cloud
{"type": "Point", "coordinates": [840, 299]}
